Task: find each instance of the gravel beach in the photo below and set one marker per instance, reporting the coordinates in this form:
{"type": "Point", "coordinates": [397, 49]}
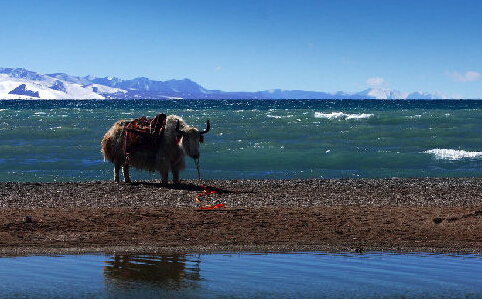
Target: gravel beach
{"type": "Point", "coordinates": [401, 215]}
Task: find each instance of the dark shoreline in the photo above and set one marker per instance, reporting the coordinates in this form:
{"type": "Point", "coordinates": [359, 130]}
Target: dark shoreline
{"type": "Point", "coordinates": [441, 215]}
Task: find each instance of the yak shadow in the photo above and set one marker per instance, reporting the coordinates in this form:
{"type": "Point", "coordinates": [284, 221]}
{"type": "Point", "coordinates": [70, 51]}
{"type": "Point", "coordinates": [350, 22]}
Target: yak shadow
{"type": "Point", "coordinates": [187, 186]}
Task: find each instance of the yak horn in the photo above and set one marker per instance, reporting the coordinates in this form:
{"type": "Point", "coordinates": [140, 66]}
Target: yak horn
{"type": "Point", "coordinates": [177, 129]}
{"type": "Point", "coordinates": [208, 126]}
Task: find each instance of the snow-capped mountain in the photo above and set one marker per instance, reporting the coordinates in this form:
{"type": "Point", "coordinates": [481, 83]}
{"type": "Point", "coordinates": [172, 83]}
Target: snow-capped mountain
{"type": "Point", "coordinates": [24, 84]}
{"type": "Point", "coordinates": [19, 83]}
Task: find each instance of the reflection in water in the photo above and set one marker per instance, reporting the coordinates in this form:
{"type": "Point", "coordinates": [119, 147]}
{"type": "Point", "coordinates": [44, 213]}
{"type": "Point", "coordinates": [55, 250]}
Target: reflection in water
{"type": "Point", "coordinates": [166, 271]}
{"type": "Point", "coordinates": [243, 275]}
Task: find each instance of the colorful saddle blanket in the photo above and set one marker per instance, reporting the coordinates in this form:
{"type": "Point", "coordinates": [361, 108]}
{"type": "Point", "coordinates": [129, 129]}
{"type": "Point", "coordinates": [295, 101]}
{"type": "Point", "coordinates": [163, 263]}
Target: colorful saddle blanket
{"type": "Point", "coordinates": [144, 133]}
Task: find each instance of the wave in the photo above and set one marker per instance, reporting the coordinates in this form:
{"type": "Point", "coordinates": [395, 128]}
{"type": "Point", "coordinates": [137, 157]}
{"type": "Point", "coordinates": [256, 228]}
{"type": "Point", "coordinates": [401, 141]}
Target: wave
{"type": "Point", "coordinates": [341, 115]}
{"type": "Point", "coordinates": [451, 154]}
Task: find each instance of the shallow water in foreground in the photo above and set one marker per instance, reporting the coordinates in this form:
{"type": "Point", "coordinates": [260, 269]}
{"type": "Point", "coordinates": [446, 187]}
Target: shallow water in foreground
{"type": "Point", "coordinates": [230, 275]}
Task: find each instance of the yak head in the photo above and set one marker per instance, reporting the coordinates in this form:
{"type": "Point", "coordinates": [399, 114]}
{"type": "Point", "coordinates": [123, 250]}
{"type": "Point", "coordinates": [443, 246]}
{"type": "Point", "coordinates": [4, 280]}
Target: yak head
{"type": "Point", "coordinates": [191, 138]}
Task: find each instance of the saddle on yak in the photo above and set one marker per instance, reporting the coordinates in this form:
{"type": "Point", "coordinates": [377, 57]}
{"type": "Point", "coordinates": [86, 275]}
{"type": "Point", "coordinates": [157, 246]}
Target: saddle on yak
{"type": "Point", "coordinates": [143, 134]}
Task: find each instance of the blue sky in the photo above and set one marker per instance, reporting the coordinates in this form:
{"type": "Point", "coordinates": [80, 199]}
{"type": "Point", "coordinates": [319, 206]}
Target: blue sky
{"type": "Point", "coordinates": [433, 46]}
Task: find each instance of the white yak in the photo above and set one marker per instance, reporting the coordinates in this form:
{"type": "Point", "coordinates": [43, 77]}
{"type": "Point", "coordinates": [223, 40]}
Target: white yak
{"type": "Point", "coordinates": [176, 141]}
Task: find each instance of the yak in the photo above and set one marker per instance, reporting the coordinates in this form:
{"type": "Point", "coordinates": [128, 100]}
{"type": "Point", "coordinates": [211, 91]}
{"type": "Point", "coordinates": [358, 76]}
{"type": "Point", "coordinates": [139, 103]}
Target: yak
{"type": "Point", "coordinates": [167, 153]}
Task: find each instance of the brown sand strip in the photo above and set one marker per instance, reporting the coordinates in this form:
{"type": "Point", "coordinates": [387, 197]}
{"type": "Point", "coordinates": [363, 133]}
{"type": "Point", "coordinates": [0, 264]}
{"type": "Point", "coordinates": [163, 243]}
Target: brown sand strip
{"type": "Point", "coordinates": [432, 215]}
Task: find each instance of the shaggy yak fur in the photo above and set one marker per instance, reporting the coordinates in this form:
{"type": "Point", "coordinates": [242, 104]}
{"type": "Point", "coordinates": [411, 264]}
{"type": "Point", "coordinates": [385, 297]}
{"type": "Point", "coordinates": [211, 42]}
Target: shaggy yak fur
{"type": "Point", "coordinates": [177, 140]}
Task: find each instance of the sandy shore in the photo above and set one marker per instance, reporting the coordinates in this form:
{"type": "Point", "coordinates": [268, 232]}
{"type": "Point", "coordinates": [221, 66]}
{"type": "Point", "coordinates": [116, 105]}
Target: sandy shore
{"type": "Point", "coordinates": [431, 215]}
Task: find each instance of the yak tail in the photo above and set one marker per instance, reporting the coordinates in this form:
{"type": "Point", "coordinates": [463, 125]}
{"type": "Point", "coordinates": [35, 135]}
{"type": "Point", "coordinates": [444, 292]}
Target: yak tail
{"type": "Point", "coordinates": [103, 148]}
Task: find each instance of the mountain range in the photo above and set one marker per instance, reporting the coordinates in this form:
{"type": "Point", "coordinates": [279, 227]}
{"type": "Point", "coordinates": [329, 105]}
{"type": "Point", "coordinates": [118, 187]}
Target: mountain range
{"type": "Point", "coordinates": [19, 83]}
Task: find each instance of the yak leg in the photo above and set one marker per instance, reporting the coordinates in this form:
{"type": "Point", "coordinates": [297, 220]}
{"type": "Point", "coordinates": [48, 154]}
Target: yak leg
{"type": "Point", "coordinates": [125, 171]}
{"type": "Point", "coordinates": [175, 174]}
{"type": "Point", "coordinates": [176, 168]}
{"type": "Point", "coordinates": [164, 171]}
{"type": "Point", "coordinates": [116, 173]}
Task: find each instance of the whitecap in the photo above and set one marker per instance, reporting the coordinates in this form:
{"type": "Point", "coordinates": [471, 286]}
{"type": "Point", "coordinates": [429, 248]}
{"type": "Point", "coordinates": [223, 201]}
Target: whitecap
{"type": "Point", "coordinates": [279, 116]}
{"type": "Point", "coordinates": [273, 116]}
{"type": "Point", "coordinates": [341, 115]}
{"type": "Point", "coordinates": [452, 154]}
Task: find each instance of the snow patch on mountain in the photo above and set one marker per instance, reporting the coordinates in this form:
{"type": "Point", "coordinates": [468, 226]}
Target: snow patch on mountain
{"type": "Point", "coordinates": [102, 89]}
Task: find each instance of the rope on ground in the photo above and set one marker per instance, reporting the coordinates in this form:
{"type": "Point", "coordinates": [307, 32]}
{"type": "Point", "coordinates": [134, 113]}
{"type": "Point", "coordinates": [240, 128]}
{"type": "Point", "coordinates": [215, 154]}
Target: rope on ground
{"type": "Point", "coordinates": [206, 192]}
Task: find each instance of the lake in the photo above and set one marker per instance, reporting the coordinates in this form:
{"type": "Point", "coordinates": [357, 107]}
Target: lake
{"type": "Point", "coordinates": [45, 141]}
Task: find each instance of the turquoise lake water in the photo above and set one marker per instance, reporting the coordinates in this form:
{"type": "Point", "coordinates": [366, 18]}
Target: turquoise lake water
{"type": "Point", "coordinates": [60, 140]}
{"type": "Point", "coordinates": [295, 275]}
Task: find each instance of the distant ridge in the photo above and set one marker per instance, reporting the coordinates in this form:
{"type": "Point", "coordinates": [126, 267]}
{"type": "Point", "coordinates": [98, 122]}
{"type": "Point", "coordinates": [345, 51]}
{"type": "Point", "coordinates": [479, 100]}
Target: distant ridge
{"type": "Point", "coordinates": [19, 83]}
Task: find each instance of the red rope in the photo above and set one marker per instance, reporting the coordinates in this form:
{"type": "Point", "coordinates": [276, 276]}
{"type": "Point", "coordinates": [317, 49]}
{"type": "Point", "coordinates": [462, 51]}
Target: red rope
{"type": "Point", "coordinates": [206, 192]}
{"type": "Point", "coordinates": [220, 205]}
